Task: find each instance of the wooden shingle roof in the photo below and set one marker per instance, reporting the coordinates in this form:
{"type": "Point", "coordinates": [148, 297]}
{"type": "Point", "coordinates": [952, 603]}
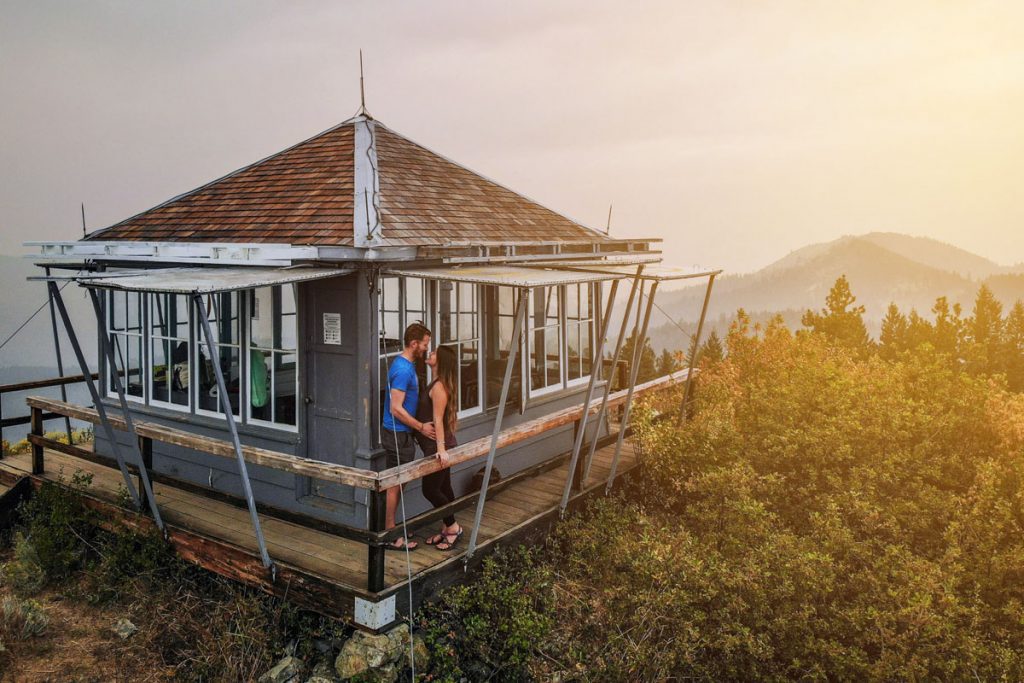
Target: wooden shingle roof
{"type": "Point", "coordinates": [305, 195]}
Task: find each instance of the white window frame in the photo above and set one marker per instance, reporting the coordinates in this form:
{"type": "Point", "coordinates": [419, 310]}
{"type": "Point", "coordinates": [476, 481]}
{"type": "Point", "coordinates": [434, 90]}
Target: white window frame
{"type": "Point", "coordinates": [458, 339]}
{"type": "Point", "coordinates": [592, 322]}
{"type": "Point", "coordinates": [531, 329]}
{"type": "Point", "coordinates": [563, 382]}
{"type": "Point", "coordinates": [213, 306]}
{"type": "Point", "coordinates": [150, 298]}
{"type": "Point", "coordinates": [121, 354]}
{"type": "Point", "coordinates": [285, 290]}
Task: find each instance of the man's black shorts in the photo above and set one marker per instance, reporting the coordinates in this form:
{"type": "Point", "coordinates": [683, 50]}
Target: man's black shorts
{"type": "Point", "coordinates": [406, 447]}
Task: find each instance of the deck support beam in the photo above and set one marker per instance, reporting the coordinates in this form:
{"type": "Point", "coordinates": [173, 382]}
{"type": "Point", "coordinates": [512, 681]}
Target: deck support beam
{"type": "Point", "coordinates": [696, 347]}
{"type": "Point", "coordinates": [229, 417]}
{"type": "Point", "coordinates": [101, 410]}
{"type": "Point", "coordinates": [581, 425]}
{"type": "Point", "coordinates": [514, 345]}
{"type": "Point", "coordinates": [147, 497]}
{"type": "Point", "coordinates": [601, 413]}
{"type": "Point", "coordinates": [639, 341]}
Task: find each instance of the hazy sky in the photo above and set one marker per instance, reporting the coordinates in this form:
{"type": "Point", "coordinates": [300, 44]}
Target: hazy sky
{"type": "Point", "coordinates": [736, 131]}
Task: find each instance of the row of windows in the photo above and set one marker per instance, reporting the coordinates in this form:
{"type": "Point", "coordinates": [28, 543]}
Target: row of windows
{"type": "Point", "coordinates": [478, 321]}
{"type": "Point", "coordinates": [161, 354]}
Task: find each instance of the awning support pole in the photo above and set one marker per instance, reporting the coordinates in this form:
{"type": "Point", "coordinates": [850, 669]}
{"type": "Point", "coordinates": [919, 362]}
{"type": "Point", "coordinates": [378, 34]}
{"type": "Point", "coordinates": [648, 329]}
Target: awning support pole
{"type": "Point", "coordinates": [60, 363]}
{"type": "Point", "coordinates": [695, 349]}
{"type": "Point", "coordinates": [581, 429]}
{"type": "Point", "coordinates": [602, 412]}
{"type": "Point", "coordinates": [225, 404]}
{"type": "Point", "coordinates": [93, 392]}
{"type": "Point", "coordinates": [108, 352]}
{"type": "Point", "coordinates": [515, 343]}
{"type": "Point", "coordinates": [639, 341]}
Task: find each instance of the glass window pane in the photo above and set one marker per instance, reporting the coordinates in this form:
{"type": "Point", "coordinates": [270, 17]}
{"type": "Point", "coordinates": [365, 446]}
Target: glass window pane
{"type": "Point", "coordinates": [573, 342]}
{"type": "Point", "coordinates": [586, 347]}
{"type": "Point", "coordinates": [261, 318]}
{"type": "Point", "coordinates": [134, 382]}
{"type": "Point", "coordinates": [553, 364]}
{"type": "Point", "coordinates": [446, 311]}
{"type": "Point", "coordinates": [572, 302]}
{"type": "Point", "coordinates": [469, 369]}
{"type": "Point", "coordinates": [285, 395]}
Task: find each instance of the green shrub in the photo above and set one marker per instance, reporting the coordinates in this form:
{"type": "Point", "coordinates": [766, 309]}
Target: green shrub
{"type": "Point", "coordinates": [59, 526]}
{"type": "Point", "coordinates": [24, 573]}
{"type": "Point", "coordinates": [488, 630]}
{"type": "Point", "coordinates": [22, 619]}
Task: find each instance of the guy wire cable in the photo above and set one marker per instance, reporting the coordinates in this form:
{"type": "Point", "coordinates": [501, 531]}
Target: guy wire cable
{"type": "Point", "coordinates": [401, 499]}
{"type": "Point", "coordinates": [29, 319]}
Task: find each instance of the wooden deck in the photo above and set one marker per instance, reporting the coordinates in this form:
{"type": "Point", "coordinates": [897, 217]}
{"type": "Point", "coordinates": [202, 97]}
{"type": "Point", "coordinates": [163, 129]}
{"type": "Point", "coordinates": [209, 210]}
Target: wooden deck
{"type": "Point", "coordinates": [340, 563]}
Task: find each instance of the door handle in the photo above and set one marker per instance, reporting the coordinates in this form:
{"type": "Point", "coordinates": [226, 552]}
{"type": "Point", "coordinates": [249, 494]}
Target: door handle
{"type": "Point", "coordinates": [307, 400]}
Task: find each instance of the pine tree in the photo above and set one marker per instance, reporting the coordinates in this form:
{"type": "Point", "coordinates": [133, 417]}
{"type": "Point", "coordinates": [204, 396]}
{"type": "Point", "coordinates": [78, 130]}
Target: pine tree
{"type": "Point", "coordinates": [985, 353]}
{"type": "Point", "coordinates": [919, 330]}
{"type": "Point", "coordinates": [1015, 347]}
{"type": "Point", "coordinates": [667, 363]}
{"type": "Point", "coordinates": [894, 337]}
{"type": "Point", "coordinates": [841, 321]}
{"type": "Point", "coordinates": [712, 351]}
{"type": "Point", "coordinates": [948, 330]}
{"type": "Point", "coordinates": [648, 361]}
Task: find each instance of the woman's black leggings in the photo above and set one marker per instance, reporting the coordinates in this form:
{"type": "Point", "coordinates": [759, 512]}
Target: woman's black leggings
{"type": "Point", "coordinates": [437, 488]}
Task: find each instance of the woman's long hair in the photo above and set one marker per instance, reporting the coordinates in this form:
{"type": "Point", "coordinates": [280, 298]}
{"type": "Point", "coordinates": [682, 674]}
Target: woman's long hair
{"type": "Point", "coordinates": [447, 374]}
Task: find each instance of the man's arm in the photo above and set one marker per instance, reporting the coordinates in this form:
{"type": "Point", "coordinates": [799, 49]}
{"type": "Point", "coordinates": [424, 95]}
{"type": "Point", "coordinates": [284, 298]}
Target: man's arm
{"type": "Point", "coordinates": [399, 412]}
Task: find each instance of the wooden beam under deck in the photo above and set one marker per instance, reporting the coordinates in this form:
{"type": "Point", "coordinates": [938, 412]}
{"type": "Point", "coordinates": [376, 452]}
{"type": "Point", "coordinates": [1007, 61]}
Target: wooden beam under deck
{"type": "Point", "coordinates": [317, 570]}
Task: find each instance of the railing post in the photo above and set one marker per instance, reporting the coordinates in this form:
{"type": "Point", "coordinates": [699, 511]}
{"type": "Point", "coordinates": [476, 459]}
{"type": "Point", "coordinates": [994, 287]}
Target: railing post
{"type": "Point", "coordinates": [37, 450]}
{"type": "Point", "coordinates": [375, 560]}
{"type": "Point", "coordinates": [146, 453]}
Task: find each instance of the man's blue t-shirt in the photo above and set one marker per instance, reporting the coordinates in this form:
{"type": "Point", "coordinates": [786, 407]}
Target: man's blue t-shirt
{"type": "Point", "coordinates": [401, 376]}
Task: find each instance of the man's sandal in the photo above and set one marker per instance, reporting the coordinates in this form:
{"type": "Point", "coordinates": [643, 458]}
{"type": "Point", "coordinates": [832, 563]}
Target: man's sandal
{"type": "Point", "coordinates": [412, 545]}
{"type": "Point", "coordinates": [435, 539]}
{"type": "Point", "coordinates": [450, 541]}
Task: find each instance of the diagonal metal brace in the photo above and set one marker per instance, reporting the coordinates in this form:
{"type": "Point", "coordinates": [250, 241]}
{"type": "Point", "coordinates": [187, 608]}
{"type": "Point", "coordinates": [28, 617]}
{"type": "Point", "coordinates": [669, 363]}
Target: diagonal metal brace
{"type": "Point", "coordinates": [582, 430]}
{"type": "Point", "coordinates": [108, 352]}
{"type": "Point", "coordinates": [514, 344]}
{"type": "Point", "coordinates": [603, 410]}
{"type": "Point", "coordinates": [101, 410]}
{"type": "Point", "coordinates": [225, 403]}
{"type": "Point", "coordinates": [638, 350]}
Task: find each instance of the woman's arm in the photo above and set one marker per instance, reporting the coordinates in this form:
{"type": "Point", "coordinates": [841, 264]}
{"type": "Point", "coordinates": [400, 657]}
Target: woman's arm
{"type": "Point", "coordinates": [439, 397]}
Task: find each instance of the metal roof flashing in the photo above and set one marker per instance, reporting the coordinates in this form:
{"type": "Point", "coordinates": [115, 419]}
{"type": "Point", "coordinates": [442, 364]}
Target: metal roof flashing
{"type": "Point", "coordinates": [200, 280]}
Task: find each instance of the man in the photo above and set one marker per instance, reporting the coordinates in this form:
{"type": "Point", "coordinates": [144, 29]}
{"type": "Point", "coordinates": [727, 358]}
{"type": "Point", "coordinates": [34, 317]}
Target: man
{"type": "Point", "coordinates": [400, 421]}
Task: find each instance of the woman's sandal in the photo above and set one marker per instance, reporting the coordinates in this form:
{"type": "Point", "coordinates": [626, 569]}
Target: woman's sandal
{"type": "Point", "coordinates": [449, 544]}
{"type": "Point", "coordinates": [405, 542]}
{"type": "Point", "coordinates": [435, 539]}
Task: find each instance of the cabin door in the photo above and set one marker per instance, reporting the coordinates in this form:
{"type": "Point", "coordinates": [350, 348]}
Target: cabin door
{"type": "Point", "coordinates": [330, 396]}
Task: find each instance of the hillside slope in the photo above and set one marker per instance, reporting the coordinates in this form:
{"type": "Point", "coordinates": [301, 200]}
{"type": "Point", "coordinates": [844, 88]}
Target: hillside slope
{"type": "Point", "coordinates": [881, 268]}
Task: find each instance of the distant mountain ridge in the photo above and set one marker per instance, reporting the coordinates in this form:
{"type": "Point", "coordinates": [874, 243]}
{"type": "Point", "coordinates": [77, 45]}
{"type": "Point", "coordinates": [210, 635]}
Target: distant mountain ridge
{"type": "Point", "coordinates": [881, 268]}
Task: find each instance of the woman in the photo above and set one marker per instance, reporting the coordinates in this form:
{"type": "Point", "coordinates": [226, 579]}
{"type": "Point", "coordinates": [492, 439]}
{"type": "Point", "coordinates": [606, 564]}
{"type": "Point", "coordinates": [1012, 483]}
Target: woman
{"type": "Point", "coordinates": [438, 404]}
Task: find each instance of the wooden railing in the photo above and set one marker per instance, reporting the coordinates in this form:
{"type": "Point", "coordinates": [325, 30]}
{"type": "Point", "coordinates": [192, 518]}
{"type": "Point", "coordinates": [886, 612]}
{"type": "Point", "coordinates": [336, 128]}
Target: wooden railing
{"type": "Point", "coordinates": [377, 483]}
{"type": "Point", "coordinates": [6, 422]}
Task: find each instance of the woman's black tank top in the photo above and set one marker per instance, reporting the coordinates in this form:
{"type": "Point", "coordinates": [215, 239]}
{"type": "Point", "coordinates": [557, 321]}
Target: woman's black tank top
{"type": "Point", "coordinates": [425, 413]}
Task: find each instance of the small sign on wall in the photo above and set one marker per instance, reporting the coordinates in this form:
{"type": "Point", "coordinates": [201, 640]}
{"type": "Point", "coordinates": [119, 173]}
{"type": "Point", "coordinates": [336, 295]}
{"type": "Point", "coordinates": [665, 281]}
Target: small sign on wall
{"type": "Point", "coordinates": [332, 328]}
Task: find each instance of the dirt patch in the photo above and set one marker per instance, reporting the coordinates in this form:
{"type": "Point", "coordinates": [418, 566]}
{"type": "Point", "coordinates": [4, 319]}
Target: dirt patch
{"type": "Point", "coordinates": [79, 645]}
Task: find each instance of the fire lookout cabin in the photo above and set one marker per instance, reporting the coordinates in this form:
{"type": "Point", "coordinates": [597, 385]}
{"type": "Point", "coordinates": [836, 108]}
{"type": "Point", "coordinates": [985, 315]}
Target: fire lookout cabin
{"type": "Point", "coordinates": [244, 332]}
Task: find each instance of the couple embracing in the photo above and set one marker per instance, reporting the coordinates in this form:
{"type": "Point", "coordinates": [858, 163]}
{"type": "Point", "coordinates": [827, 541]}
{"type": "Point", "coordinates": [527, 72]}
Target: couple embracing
{"type": "Point", "coordinates": [425, 416]}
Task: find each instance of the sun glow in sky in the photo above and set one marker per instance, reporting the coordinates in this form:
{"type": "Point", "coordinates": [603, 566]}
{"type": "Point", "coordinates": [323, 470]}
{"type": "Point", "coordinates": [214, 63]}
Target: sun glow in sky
{"type": "Point", "coordinates": [735, 131]}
